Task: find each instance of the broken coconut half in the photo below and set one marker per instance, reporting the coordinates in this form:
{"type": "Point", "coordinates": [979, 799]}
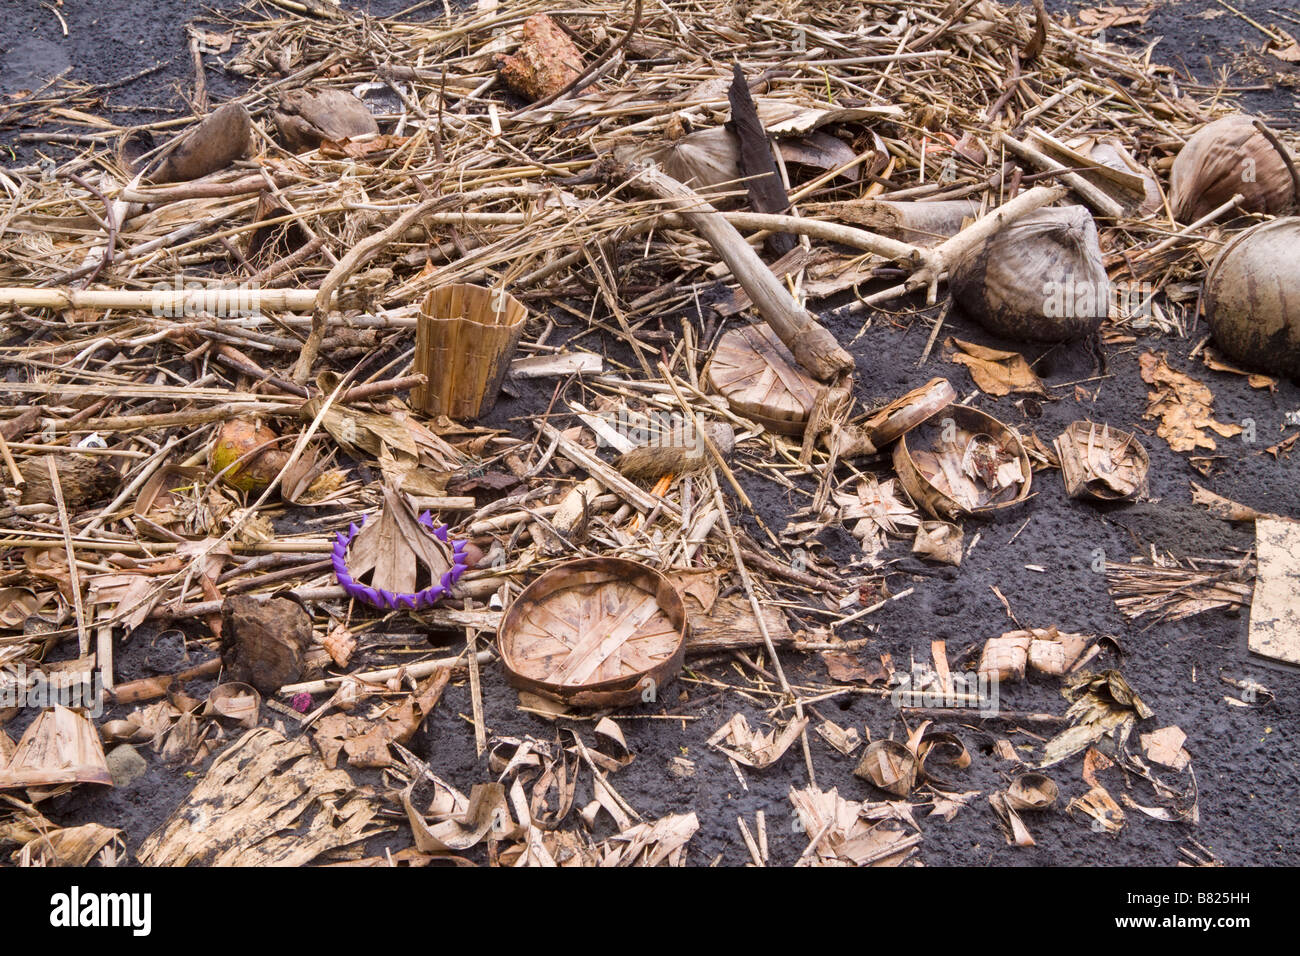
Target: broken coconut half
{"type": "Point", "coordinates": [962, 461]}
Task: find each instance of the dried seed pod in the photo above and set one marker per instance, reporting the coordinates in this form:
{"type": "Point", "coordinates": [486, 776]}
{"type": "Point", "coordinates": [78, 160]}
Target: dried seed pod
{"type": "Point", "coordinates": [1041, 278]}
{"type": "Point", "coordinates": [1226, 157]}
{"type": "Point", "coordinates": [1252, 297]}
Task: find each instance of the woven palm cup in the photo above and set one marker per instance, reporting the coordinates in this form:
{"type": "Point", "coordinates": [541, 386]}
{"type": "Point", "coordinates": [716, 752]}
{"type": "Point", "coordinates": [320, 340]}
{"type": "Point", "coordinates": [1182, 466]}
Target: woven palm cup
{"type": "Point", "coordinates": [464, 340]}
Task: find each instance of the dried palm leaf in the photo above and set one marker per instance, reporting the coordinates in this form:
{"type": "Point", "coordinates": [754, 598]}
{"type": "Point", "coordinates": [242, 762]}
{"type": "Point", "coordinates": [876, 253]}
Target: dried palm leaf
{"type": "Point", "coordinates": [409, 563]}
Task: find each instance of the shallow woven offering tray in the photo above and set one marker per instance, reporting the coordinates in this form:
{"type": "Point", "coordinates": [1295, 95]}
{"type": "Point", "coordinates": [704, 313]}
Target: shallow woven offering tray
{"type": "Point", "coordinates": [758, 376]}
{"type": "Point", "coordinates": [598, 632]}
{"type": "Point", "coordinates": [1098, 461]}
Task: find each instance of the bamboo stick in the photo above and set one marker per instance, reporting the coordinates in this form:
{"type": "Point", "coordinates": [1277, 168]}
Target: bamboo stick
{"type": "Point", "coordinates": [422, 669]}
{"type": "Point", "coordinates": [162, 301]}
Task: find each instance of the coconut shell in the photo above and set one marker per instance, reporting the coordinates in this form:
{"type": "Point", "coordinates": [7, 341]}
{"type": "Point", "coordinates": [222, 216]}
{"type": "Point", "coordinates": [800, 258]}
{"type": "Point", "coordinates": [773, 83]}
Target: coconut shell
{"type": "Point", "coordinates": [1252, 297]}
{"type": "Point", "coordinates": [705, 160]}
{"type": "Point", "coordinates": [235, 457]}
{"type": "Point", "coordinates": [1226, 157]}
{"type": "Point", "coordinates": [1040, 279]}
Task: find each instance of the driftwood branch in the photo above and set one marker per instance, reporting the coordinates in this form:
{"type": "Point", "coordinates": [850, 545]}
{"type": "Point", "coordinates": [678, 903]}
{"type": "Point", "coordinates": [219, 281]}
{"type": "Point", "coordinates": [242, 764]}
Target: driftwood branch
{"type": "Point", "coordinates": [936, 262]}
{"type": "Point", "coordinates": [812, 345]}
{"type": "Point", "coordinates": [172, 302]}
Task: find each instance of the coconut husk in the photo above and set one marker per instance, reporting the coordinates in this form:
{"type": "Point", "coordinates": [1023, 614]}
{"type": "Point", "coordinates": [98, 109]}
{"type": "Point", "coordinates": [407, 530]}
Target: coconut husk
{"type": "Point", "coordinates": [1108, 166]}
{"type": "Point", "coordinates": [757, 165]}
{"type": "Point", "coordinates": [244, 455]}
{"type": "Point", "coordinates": [1042, 278]}
{"type": "Point", "coordinates": [706, 160]}
{"type": "Point", "coordinates": [263, 642]}
{"type": "Point", "coordinates": [885, 424]}
{"type": "Point", "coordinates": [546, 62]}
{"type": "Point", "coordinates": [83, 479]}
{"type": "Point", "coordinates": [1227, 157]}
{"type": "Point", "coordinates": [223, 137]}
{"type": "Point", "coordinates": [1252, 297]}
{"type": "Point", "coordinates": [306, 117]}
{"type": "Point", "coordinates": [678, 452]}
{"type": "Point", "coordinates": [1144, 198]}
